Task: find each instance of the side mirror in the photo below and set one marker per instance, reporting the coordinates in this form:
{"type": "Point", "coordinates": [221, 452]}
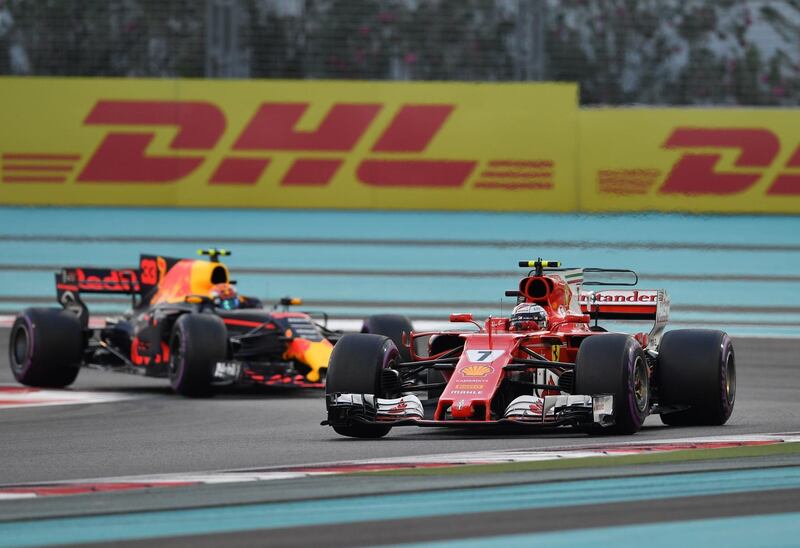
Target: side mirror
{"type": "Point", "coordinates": [291, 301]}
{"type": "Point", "coordinates": [465, 317]}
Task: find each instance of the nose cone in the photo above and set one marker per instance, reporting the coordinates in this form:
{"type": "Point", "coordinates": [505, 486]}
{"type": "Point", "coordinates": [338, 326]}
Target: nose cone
{"type": "Point", "coordinates": [462, 410]}
{"type": "Point", "coordinates": [477, 375]}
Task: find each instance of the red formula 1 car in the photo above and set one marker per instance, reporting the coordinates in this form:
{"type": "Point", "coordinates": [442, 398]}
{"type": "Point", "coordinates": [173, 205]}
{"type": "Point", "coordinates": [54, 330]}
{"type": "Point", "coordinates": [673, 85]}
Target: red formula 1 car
{"type": "Point", "coordinates": [549, 364]}
{"type": "Point", "coordinates": [187, 323]}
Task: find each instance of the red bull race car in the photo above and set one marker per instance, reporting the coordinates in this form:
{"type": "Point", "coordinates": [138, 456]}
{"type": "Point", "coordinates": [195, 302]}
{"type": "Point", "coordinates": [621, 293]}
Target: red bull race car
{"type": "Point", "coordinates": [187, 323]}
{"type": "Point", "coordinates": [548, 364]}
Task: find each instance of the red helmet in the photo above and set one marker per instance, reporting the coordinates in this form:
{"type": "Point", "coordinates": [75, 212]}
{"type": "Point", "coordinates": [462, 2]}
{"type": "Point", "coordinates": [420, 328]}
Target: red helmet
{"type": "Point", "coordinates": [528, 317]}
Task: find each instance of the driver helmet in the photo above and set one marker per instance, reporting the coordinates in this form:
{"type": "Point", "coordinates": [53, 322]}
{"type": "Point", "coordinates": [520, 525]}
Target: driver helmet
{"type": "Point", "coordinates": [224, 296]}
{"type": "Point", "coordinates": [528, 317]}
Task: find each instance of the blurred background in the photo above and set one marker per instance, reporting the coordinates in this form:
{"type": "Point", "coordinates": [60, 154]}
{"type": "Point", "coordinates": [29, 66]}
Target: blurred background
{"type": "Point", "coordinates": [670, 143]}
{"type": "Point", "coordinates": [621, 52]}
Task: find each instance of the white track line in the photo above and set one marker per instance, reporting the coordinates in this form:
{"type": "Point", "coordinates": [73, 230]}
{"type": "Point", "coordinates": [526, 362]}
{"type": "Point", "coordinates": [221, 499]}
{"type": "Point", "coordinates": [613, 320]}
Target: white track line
{"type": "Point", "coordinates": [394, 463]}
{"type": "Point", "coordinates": [15, 397]}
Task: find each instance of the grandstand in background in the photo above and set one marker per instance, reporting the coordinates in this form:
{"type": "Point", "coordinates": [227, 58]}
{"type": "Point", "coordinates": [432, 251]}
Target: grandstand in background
{"type": "Point", "coordinates": [666, 52]}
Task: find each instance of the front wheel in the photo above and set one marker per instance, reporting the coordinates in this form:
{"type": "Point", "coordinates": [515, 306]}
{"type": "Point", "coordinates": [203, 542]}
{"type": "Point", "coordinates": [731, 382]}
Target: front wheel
{"type": "Point", "coordinates": [197, 343]}
{"type": "Point", "coordinates": [45, 348]}
{"type": "Point", "coordinates": [392, 326]}
{"type": "Point", "coordinates": [362, 364]}
{"type": "Point", "coordinates": [696, 371]}
{"type": "Point", "coordinates": [615, 364]}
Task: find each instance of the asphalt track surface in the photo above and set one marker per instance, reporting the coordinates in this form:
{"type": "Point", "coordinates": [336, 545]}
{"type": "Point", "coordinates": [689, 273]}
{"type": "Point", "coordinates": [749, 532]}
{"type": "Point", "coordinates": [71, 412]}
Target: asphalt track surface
{"type": "Point", "coordinates": [163, 433]}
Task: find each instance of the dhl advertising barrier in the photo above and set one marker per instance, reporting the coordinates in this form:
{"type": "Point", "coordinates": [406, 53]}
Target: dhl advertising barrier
{"type": "Point", "coordinates": [388, 145]}
{"type": "Point", "coordinates": [288, 144]}
{"type": "Point", "coordinates": [697, 160]}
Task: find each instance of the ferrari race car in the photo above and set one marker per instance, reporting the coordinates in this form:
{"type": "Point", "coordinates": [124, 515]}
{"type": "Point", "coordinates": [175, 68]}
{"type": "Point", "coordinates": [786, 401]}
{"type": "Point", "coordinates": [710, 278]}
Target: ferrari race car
{"type": "Point", "coordinates": [549, 364]}
{"type": "Point", "coordinates": [187, 323]}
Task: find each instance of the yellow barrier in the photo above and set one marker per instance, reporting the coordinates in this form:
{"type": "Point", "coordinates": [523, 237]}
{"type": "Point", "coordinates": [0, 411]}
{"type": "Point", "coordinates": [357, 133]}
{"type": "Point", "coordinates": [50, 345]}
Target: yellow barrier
{"type": "Point", "coordinates": [389, 145]}
{"type": "Point", "coordinates": [696, 160]}
{"type": "Point", "coordinates": [288, 144]}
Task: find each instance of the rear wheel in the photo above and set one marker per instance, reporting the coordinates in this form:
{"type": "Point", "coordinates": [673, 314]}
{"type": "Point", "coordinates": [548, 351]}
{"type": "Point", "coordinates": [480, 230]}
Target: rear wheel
{"type": "Point", "coordinates": [197, 343]}
{"type": "Point", "coordinates": [361, 364]}
{"type": "Point", "coordinates": [45, 347]}
{"type": "Point", "coordinates": [392, 326]}
{"type": "Point", "coordinates": [615, 364]}
{"type": "Point", "coordinates": [696, 369]}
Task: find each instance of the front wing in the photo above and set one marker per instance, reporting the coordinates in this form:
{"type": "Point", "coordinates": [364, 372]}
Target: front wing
{"type": "Point", "coordinates": [550, 411]}
{"type": "Point", "coordinates": [274, 374]}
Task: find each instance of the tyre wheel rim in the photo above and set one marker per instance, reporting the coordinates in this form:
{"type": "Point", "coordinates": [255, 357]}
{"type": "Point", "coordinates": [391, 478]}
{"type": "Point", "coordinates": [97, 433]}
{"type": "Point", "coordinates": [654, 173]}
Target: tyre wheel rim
{"type": "Point", "coordinates": [640, 384]}
{"type": "Point", "coordinates": [173, 357]}
{"type": "Point", "coordinates": [730, 379]}
{"type": "Point", "coordinates": [20, 347]}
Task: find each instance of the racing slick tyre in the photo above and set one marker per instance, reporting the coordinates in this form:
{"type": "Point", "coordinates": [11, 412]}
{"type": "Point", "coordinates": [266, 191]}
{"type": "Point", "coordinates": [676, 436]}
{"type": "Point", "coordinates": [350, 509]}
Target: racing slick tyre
{"type": "Point", "coordinates": [615, 364]}
{"type": "Point", "coordinates": [696, 368]}
{"type": "Point", "coordinates": [197, 343]}
{"type": "Point", "coordinates": [45, 348]}
{"type": "Point", "coordinates": [357, 366]}
{"type": "Point", "coordinates": [392, 326]}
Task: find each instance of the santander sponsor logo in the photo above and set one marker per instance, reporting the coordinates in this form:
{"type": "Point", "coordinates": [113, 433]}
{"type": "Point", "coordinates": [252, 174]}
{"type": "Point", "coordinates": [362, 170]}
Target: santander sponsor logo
{"type": "Point", "coordinates": [635, 297]}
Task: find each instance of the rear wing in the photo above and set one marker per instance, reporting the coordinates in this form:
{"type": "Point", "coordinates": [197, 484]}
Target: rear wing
{"type": "Point", "coordinates": [636, 305]}
{"type": "Point", "coordinates": [117, 281]}
{"type": "Point", "coordinates": [141, 283]}
{"type": "Point", "coordinates": [72, 281]}
{"type": "Point", "coordinates": [97, 280]}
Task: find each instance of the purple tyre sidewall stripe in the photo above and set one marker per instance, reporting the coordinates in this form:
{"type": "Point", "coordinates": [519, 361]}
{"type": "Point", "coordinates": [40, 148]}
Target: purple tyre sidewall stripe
{"type": "Point", "coordinates": [180, 365]}
{"type": "Point", "coordinates": [389, 352]}
{"type": "Point", "coordinates": [30, 345]}
{"type": "Point", "coordinates": [725, 352]}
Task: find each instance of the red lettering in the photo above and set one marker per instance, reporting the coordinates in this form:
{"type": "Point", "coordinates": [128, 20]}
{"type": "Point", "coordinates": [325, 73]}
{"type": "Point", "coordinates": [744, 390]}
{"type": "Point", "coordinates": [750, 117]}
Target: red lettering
{"type": "Point", "coordinates": [239, 171]}
{"type": "Point", "coordinates": [128, 280]}
{"type": "Point", "coordinates": [311, 171]}
{"type": "Point", "coordinates": [788, 184]}
{"type": "Point", "coordinates": [149, 271]}
{"type": "Point", "coordinates": [115, 281]}
{"type": "Point", "coordinates": [112, 281]}
{"type": "Point", "coordinates": [694, 173]}
{"type": "Point", "coordinates": [794, 161]}
{"type": "Point", "coordinates": [413, 128]}
{"type": "Point", "coordinates": [411, 173]}
{"type": "Point", "coordinates": [272, 128]}
{"type": "Point", "coordinates": [121, 156]}
{"type": "Point", "coordinates": [121, 280]}
{"type": "Point", "coordinates": [90, 283]}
